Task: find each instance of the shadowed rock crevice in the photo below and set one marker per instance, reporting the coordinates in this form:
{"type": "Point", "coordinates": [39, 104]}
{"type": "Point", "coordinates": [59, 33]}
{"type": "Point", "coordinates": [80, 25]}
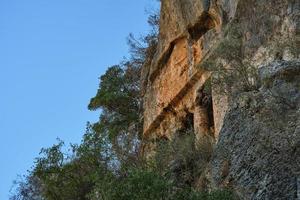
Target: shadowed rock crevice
{"type": "Point", "coordinates": [203, 24]}
{"type": "Point", "coordinates": [164, 59]}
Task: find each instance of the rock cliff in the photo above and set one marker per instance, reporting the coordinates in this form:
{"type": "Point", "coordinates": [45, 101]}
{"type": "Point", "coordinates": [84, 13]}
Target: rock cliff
{"type": "Point", "coordinates": [258, 152]}
{"type": "Point", "coordinates": [249, 118]}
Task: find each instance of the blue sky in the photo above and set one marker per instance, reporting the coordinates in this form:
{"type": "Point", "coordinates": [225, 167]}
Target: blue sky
{"type": "Point", "coordinates": [51, 55]}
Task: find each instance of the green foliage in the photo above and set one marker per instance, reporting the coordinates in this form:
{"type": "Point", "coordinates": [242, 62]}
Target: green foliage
{"type": "Point", "coordinates": [139, 185]}
{"type": "Point", "coordinates": [118, 96]}
{"type": "Point", "coordinates": [73, 175]}
{"type": "Point", "coordinates": [119, 99]}
{"type": "Point", "coordinates": [118, 91]}
{"type": "Point", "coordinates": [180, 160]}
{"type": "Point", "coordinates": [87, 172]}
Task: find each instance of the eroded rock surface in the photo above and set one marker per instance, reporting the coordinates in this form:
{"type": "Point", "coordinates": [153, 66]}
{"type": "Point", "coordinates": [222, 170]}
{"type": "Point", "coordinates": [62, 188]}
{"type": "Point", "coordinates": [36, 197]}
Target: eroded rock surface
{"type": "Point", "coordinates": [259, 143]}
{"type": "Point", "coordinates": [255, 134]}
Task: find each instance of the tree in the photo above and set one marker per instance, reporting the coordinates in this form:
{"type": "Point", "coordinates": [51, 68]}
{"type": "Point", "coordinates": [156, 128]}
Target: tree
{"type": "Point", "coordinates": [119, 95]}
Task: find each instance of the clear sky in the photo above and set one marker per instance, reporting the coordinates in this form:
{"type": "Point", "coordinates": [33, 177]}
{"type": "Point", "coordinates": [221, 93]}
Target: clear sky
{"type": "Point", "coordinates": [51, 55]}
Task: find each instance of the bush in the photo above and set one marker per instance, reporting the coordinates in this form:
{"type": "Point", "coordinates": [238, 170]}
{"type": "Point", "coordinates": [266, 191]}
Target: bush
{"type": "Point", "coordinates": [145, 184]}
{"type": "Point", "coordinates": [178, 159]}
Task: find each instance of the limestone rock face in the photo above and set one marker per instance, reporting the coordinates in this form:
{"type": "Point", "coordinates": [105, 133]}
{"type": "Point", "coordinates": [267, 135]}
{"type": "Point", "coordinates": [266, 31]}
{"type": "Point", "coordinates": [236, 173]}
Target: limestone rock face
{"type": "Point", "coordinates": [254, 135]}
{"type": "Point", "coordinates": [187, 31]}
{"type": "Point", "coordinates": [260, 138]}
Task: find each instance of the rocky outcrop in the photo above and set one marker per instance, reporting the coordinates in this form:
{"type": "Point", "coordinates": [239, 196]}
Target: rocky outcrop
{"type": "Point", "coordinates": [258, 153]}
{"type": "Point", "coordinates": [254, 130]}
{"type": "Point", "coordinates": [190, 33]}
{"type": "Point", "coordinates": [187, 31]}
